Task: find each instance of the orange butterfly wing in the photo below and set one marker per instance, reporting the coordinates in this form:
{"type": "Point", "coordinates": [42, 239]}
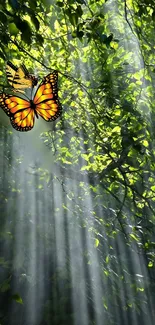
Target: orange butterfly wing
{"type": "Point", "coordinates": [19, 110]}
{"type": "Point", "coordinates": [46, 98]}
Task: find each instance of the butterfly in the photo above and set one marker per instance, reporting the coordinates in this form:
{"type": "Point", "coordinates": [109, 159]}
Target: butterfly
{"type": "Point", "coordinates": [45, 103]}
{"type": "Point", "coordinates": [19, 78]}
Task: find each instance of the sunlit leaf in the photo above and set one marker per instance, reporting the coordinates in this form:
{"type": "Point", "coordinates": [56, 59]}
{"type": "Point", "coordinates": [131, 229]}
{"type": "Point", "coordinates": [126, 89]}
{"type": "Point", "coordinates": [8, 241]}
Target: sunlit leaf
{"type": "Point", "coordinates": [145, 143]}
{"type": "Point", "coordinates": [116, 129]}
{"type": "Point", "coordinates": [13, 29]}
{"type": "Point", "coordinates": [96, 242]}
{"type": "Point", "coordinates": [134, 237]}
{"type": "Point", "coordinates": [105, 303]}
{"type": "Point", "coordinates": [107, 259]}
{"type": "Point", "coordinates": [150, 264]}
{"type": "Point", "coordinates": [140, 289]}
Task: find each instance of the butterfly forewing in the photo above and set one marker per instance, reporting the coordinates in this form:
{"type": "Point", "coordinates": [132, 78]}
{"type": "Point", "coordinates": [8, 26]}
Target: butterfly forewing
{"type": "Point", "coordinates": [52, 78]}
{"type": "Point", "coordinates": [19, 78]}
{"type": "Point", "coordinates": [46, 98]}
{"type": "Point", "coordinates": [11, 71]}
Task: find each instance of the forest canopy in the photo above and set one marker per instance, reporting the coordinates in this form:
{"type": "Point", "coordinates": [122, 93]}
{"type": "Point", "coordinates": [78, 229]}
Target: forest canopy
{"type": "Point", "coordinates": [77, 206]}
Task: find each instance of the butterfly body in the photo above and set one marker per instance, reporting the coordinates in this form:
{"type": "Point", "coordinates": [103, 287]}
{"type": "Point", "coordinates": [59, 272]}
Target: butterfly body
{"type": "Point", "coordinates": [45, 103]}
{"type": "Point", "coordinates": [33, 107]}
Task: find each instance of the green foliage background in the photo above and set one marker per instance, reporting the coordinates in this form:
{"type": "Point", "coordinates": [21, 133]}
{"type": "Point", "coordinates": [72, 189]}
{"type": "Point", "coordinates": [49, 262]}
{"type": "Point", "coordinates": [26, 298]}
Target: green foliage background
{"type": "Point", "coordinates": [103, 148]}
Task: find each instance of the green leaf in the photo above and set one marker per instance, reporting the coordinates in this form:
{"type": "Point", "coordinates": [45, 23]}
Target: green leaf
{"type": "Point", "coordinates": [150, 264]}
{"type": "Point", "coordinates": [4, 39]}
{"type": "Point", "coordinates": [25, 28]}
{"type": "Point", "coordinates": [96, 242]}
{"type": "Point", "coordinates": [117, 129]}
{"type": "Point", "coordinates": [73, 17]}
{"type": "Point", "coordinates": [145, 143]}
{"type": "Point", "coordinates": [5, 285]}
{"type": "Point", "coordinates": [80, 34]}
{"type": "Point", "coordinates": [47, 5]}
{"type": "Point", "coordinates": [108, 40]}
{"type": "Point", "coordinates": [134, 237]}
{"type": "Point", "coordinates": [13, 29]}
{"type": "Point", "coordinates": [33, 4]}
{"type": "Point", "coordinates": [3, 17]}
{"type": "Point", "coordinates": [104, 303]}
{"type": "Point", "coordinates": [79, 11]}
{"type": "Point", "coordinates": [26, 37]}
{"type": "Point", "coordinates": [17, 298]}
{"type": "Point", "coordinates": [39, 39]}
{"type": "Point", "coordinates": [35, 21]}
{"type": "Point", "coordinates": [140, 289]}
{"type": "Point", "coordinates": [60, 4]}
{"type": "Point", "coordinates": [107, 259]}
{"type": "Point", "coordinates": [106, 272]}
{"type": "Point", "coordinates": [2, 55]}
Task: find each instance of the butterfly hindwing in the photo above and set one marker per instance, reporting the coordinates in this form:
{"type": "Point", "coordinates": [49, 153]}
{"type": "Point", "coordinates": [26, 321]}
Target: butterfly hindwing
{"type": "Point", "coordinates": [19, 110]}
{"type": "Point", "coordinates": [45, 103]}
